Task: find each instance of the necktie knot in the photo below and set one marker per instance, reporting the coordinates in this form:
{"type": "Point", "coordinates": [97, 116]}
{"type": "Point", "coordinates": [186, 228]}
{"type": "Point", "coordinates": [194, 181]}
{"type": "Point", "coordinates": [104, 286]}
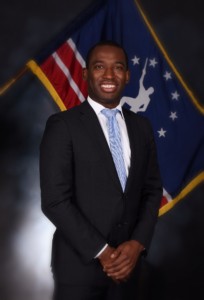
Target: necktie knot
{"type": "Point", "coordinates": [109, 113]}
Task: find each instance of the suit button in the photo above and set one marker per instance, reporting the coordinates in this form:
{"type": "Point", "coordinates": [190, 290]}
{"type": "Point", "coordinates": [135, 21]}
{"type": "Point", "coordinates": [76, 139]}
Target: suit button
{"type": "Point", "coordinates": [120, 225]}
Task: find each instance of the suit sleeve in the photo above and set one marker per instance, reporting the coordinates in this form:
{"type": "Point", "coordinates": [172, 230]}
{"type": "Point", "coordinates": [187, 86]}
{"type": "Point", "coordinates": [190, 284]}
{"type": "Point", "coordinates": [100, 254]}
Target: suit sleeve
{"type": "Point", "coordinates": [57, 190]}
{"type": "Point", "coordinates": [151, 192]}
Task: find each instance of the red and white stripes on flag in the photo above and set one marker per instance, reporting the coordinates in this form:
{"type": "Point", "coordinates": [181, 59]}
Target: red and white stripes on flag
{"type": "Point", "coordinates": [64, 69]}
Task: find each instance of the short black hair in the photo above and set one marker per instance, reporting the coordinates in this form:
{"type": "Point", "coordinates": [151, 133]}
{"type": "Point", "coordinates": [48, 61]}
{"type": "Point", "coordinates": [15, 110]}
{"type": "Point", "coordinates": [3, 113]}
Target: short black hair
{"type": "Point", "coordinates": [106, 43]}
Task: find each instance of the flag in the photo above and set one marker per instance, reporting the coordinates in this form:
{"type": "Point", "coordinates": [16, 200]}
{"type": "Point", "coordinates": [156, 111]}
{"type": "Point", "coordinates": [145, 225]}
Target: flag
{"type": "Point", "coordinates": [156, 90]}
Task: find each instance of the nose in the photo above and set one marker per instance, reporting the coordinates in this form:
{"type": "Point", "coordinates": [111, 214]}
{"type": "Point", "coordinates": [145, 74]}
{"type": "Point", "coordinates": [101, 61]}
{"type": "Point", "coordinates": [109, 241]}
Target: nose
{"type": "Point", "coordinates": [108, 73]}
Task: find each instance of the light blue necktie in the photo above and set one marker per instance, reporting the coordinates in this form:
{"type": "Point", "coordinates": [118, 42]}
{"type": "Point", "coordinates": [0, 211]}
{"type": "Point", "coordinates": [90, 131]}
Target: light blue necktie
{"type": "Point", "coordinates": [115, 144]}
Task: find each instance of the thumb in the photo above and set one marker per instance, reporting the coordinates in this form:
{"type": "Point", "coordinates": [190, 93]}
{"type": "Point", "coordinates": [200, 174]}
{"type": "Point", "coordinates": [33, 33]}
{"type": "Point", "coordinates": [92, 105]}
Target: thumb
{"type": "Point", "coordinates": [115, 254]}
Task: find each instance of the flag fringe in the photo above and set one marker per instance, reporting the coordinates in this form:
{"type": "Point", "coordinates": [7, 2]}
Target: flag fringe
{"type": "Point", "coordinates": [32, 65]}
{"type": "Point", "coordinates": [197, 104]}
{"type": "Point", "coordinates": [11, 82]}
{"type": "Point", "coordinates": [189, 188]}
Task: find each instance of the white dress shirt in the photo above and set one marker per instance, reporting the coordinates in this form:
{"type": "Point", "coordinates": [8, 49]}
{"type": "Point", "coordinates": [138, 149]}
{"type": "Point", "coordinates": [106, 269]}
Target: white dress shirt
{"type": "Point", "coordinates": [123, 130]}
{"type": "Point", "coordinates": [97, 107]}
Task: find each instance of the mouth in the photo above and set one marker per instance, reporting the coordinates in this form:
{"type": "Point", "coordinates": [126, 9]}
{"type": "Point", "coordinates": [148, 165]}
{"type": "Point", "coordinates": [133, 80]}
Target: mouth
{"type": "Point", "coordinates": [108, 87]}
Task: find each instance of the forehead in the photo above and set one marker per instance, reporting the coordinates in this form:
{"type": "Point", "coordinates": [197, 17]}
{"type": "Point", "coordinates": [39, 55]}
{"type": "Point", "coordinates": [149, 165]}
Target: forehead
{"type": "Point", "coordinates": [107, 53]}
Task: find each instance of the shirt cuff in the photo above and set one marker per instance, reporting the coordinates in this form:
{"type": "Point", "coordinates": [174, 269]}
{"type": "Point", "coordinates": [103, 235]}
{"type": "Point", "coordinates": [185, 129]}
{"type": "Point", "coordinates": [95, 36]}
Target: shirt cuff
{"type": "Point", "coordinates": [99, 253]}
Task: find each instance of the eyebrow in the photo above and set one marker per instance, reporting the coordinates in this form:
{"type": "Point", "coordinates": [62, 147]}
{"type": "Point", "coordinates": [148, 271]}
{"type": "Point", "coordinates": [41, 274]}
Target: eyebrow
{"type": "Point", "coordinates": [121, 63]}
{"type": "Point", "coordinates": [101, 62]}
{"type": "Point", "coordinates": [97, 62]}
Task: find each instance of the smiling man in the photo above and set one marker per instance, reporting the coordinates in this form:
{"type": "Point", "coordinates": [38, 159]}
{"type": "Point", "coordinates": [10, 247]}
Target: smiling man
{"type": "Point", "coordinates": [100, 186]}
{"type": "Point", "coordinates": [107, 74]}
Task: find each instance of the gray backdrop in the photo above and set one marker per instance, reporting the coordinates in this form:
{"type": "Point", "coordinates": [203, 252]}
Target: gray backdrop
{"type": "Point", "coordinates": [174, 269]}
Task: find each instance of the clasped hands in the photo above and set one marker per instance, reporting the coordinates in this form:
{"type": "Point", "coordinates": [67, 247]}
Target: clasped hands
{"type": "Point", "coordinates": [118, 263]}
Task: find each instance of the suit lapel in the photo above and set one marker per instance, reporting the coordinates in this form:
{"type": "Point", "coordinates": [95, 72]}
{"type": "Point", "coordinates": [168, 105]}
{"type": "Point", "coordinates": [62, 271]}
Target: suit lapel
{"type": "Point", "coordinates": [134, 149]}
{"type": "Point", "coordinates": [92, 125]}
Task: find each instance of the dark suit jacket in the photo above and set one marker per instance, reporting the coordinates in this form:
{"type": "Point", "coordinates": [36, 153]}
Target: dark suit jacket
{"type": "Point", "coordinates": [82, 196]}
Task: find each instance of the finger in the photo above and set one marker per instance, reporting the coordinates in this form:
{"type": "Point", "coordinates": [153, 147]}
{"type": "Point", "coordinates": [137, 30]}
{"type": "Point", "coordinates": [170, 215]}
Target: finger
{"type": "Point", "coordinates": [115, 254]}
{"type": "Point", "coordinates": [116, 262]}
{"type": "Point", "coordinates": [122, 273]}
{"type": "Point", "coordinates": [117, 268]}
{"type": "Point", "coordinates": [118, 265]}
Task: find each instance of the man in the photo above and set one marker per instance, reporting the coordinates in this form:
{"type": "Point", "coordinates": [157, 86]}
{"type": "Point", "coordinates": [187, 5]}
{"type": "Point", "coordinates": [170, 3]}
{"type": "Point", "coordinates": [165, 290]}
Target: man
{"type": "Point", "coordinates": [103, 225]}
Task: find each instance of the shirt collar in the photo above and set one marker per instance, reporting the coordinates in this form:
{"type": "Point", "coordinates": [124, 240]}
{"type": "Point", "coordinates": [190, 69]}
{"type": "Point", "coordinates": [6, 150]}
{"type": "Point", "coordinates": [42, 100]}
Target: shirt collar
{"type": "Point", "coordinates": [97, 107]}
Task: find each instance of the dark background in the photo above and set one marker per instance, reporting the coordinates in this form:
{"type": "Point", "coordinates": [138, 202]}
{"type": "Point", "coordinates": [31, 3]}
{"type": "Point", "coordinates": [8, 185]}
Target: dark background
{"type": "Point", "coordinates": [174, 269]}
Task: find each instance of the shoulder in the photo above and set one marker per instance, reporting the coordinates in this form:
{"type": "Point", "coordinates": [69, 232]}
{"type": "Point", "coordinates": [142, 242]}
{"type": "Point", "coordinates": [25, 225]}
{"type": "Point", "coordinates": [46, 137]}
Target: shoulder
{"type": "Point", "coordinates": [138, 120]}
{"type": "Point", "coordinates": [64, 115]}
{"type": "Point", "coordinates": [139, 125]}
{"type": "Point", "coordinates": [68, 116]}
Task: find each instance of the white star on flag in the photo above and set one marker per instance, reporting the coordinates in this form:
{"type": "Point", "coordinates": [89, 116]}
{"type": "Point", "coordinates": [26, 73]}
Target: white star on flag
{"type": "Point", "coordinates": [161, 132]}
{"type": "Point", "coordinates": [167, 75]}
{"type": "Point", "coordinates": [175, 95]}
{"type": "Point", "coordinates": [135, 60]}
{"type": "Point", "coordinates": [153, 62]}
{"type": "Point", "coordinates": [173, 116]}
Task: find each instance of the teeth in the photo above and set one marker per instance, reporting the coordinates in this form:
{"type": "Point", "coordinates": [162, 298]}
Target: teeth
{"type": "Point", "coordinates": [108, 86]}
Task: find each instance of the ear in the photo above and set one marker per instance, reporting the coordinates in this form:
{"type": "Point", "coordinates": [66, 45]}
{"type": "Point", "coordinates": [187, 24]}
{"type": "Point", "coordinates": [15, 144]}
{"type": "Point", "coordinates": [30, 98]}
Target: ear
{"type": "Point", "coordinates": [85, 74]}
{"type": "Point", "coordinates": [127, 76]}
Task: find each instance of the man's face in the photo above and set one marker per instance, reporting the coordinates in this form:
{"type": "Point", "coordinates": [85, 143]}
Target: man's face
{"type": "Point", "coordinates": [106, 75]}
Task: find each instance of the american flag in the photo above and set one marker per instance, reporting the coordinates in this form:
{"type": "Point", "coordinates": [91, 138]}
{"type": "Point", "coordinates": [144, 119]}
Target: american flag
{"type": "Point", "coordinates": [156, 89]}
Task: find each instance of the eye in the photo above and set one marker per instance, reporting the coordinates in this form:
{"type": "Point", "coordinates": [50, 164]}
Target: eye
{"type": "Point", "coordinates": [119, 67]}
{"type": "Point", "coordinates": [98, 67]}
